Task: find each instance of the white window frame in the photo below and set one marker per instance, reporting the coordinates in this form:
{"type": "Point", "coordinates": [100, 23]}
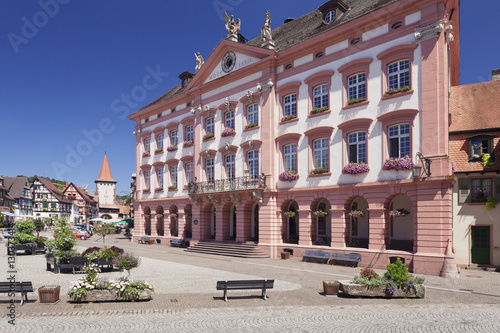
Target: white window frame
{"type": "Point", "coordinates": [189, 133]}
{"type": "Point", "coordinates": [290, 157]}
{"type": "Point", "coordinates": [290, 105]}
{"type": "Point", "coordinates": [398, 74]}
{"type": "Point", "coordinates": [399, 133]}
{"type": "Point", "coordinates": [356, 86]}
{"type": "Point", "coordinates": [253, 114]}
{"type": "Point", "coordinates": [320, 96]}
{"type": "Point", "coordinates": [253, 163]}
{"type": "Point", "coordinates": [173, 138]}
{"type": "Point", "coordinates": [159, 177]}
{"type": "Point", "coordinates": [159, 141]}
{"type": "Point", "coordinates": [173, 175]}
{"type": "Point", "coordinates": [357, 140]}
{"type": "Point", "coordinates": [229, 119]}
{"type": "Point", "coordinates": [210, 169]}
{"type": "Point", "coordinates": [230, 166]}
{"type": "Point", "coordinates": [321, 153]}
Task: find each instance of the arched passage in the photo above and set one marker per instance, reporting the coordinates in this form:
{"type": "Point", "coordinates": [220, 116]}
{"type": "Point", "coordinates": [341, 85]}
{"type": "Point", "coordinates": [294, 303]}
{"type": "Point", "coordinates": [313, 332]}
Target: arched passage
{"type": "Point", "coordinates": [400, 224]}
{"type": "Point", "coordinates": [321, 222]}
{"type": "Point", "coordinates": [255, 222]}
{"type": "Point", "coordinates": [358, 223]}
{"type": "Point", "coordinates": [160, 219]}
{"type": "Point", "coordinates": [174, 221]}
{"type": "Point", "coordinates": [188, 213]}
{"type": "Point", "coordinates": [290, 225]}
{"type": "Point", "coordinates": [147, 221]}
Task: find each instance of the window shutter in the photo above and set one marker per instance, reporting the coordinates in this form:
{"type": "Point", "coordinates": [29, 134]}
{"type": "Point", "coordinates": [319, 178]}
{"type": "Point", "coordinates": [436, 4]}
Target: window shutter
{"type": "Point", "coordinates": [463, 190]}
{"type": "Point", "coordinates": [497, 188]}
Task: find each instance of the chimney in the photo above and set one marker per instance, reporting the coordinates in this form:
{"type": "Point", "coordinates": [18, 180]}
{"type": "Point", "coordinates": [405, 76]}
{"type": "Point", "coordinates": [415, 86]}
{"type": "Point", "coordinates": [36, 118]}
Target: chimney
{"type": "Point", "coordinates": [495, 74]}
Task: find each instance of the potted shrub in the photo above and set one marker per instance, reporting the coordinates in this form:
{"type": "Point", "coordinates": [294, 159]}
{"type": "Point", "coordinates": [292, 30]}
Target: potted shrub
{"type": "Point", "coordinates": [288, 176]}
{"type": "Point", "coordinates": [355, 168]}
{"type": "Point", "coordinates": [127, 261]}
{"type": "Point", "coordinates": [398, 163]}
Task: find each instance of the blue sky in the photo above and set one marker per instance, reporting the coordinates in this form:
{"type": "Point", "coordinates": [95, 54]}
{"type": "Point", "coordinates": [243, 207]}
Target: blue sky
{"type": "Point", "coordinates": [67, 67]}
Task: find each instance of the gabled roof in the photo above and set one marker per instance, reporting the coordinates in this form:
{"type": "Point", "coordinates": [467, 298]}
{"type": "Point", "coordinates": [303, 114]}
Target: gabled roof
{"type": "Point", "coordinates": [475, 106]}
{"type": "Point", "coordinates": [15, 185]}
{"type": "Point", "coordinates": [105, 173]}
{"type": "Point", "coordinates": [53, 189]}
{"type": "Point", "coordinates": [80, 191]}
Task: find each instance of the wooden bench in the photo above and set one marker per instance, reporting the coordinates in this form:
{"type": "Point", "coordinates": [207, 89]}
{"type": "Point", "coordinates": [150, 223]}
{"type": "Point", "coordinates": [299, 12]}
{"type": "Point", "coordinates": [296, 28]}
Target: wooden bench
{"type": "Point", "coordinates": [179, 242]}
{"type": "Point", "coordinates": [319, 255]}
{"type": "Point", "coordinates": [17, 287]}
{"type": "Point", "coordinates": [146, 240]}
{"type": "Point", "coordinates": [245, 284]}
{"type": "Point", "coordinates": [352, 258]}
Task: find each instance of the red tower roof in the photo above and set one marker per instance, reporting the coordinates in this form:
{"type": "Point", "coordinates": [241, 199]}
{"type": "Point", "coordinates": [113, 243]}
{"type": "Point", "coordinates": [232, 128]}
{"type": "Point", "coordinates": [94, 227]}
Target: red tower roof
{"type": "Point", "coordinates": [105, 174]}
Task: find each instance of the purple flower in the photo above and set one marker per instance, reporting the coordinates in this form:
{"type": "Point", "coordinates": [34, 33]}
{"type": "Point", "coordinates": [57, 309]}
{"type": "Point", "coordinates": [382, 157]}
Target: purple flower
{"type": "Point", "coordinates": [228, 132]}
{"type": "Point", "coordinates": [355, 168]}
{"type": "Point", "coordinates": [398, 163]}
{"type": "Point", "coordinates": [288, 176]}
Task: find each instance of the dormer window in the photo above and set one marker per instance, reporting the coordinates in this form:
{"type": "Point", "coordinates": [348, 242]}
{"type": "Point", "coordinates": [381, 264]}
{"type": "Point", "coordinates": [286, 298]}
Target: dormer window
{"type": "Point", "coordinates": [479, 145]}
{"type": "Point", "coordinates": [332, 10]}
{"type": "Point", "coordinates": [330, 16]}
{"type": "Point", "coordinates": [185, 83]}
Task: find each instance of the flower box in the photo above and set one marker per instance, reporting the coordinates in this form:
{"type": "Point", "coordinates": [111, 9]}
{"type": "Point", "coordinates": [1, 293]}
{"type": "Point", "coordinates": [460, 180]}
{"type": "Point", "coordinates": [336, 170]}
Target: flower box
{"type": "Point", "coordinates": [356, 100]}
{"type": "Point", "coordinates": [397, 91]}
{"type": "Point", "coordinates": [159, 189]}
{"type": "Point", "coordinates": [171, 148]}
{"type": "Point", "coordinates": [228, 132]}
{"type": "Point", "coordinates": [208, 136]}
{"type": "Point", "coordinates": [146, 154]}
{"type": "Point", "coordinates": [288, 176]}
{"type": "Point", "coordinates": [318, 110]}
{"type": "Point", "coordinates": [172, 188]}
{"type": "Point", "coordinates": [355, 168]}
{"type": "Point", "coordinates": [356, 213]}
{"type": "Point", "coordinates": [398, 163]}
{"type": "Point", "coordinates": [289, 214]}
{"type": "Point", "coordinates": [187, 143]}
{"type": "Point", "coordinates": [146, 190]}
{"type": "Point", "coordinates": [173, 215]}
{"type": "Point", "coordinates": [353, 289]}
{"type": "Point", "coordinates": [320, 213]}
{"type": "Point", "coordinates": [159, 151]}
{"type": "Point", "coordinates": [287, 118]}
{"type": "Point", "coordinates": [319, 171]}
{"type": "Point", "coordinates": [110, 296]}
{"type": "Point", "coordinates": [399, 212]}
{"type": "Point", "coordinates": [251, 125]}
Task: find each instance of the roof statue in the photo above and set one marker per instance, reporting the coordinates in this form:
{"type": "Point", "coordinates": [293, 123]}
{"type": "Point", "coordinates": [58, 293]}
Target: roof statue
{"type": "Point", "coordinates": [232, 27]}
{"type": "Point", "coordinates": [199, 61]}
{"type": "Point", "coordinates": [265, 33]}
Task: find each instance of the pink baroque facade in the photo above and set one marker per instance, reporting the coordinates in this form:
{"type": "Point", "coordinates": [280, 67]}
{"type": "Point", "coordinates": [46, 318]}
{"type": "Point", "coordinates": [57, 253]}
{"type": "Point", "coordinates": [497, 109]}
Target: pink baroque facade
{"type": "Point", "coordinates": [307, 140]}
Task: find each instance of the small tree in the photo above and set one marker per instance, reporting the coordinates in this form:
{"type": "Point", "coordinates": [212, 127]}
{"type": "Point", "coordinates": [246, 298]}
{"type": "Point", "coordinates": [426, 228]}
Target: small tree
{"type": "Point", "coordinates": [39, 225]}
{"type": "Point", "coordinates": [63, 241]}
{"type": "Point", "coordinates": [104, 229]}
{"type": "Point", "coordinates": [127, 261]}
{"type": "Point", "coordinates": [23, 232]}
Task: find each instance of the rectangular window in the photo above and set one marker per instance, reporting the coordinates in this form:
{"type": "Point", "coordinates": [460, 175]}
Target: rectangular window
{"type": "Point", "coordinates": [320, 97]}
{"type": "Point", "coordinates": [210, 125]}
{"type": "Point", "coordinates": [320, 153]}
{"type": "Point", "coordinates": [230, 166]}
{"type": "Point", "coordinates": [399, 140]}
{"type": "Point", "coordinates": [290, 158]}
{"type": "Point", "coordinates": [356, 86]}
{"type": "Point", "coordinates": [173, 175]}
{"type": "Point", "coordinates": [290, 104]}
{"type": "Point", "coordinates": [52, 205]}
{"type": "Point", "coordinates": [173, 138]}
{"type": "Point", "coordinates": [189, 173]}
{"type": "Point", "coordinates": [357, 147]}
{"type": "Point", "coordinates": [159, 141]}
{"type": "Point", "coordinates": [146, 145]}
{"type": "Point", "coordinates": [45, 205]}
{"type": "Point", "coordinates": [481, 188]}
{"type": "Point", "coordinates": [398, 74]}
{"type": "Point", "coordinates": [229, 120]}
{"type": "Point", "coordinates": [253, 163]}
{"type": "Point", "coordinates": [252, 114]}
{"type": "Point", "coordinates": [210, 170]}
{"type": "Point", "coordinates": [159, 177]}
{"type": "Point", "coordinates": [479, 145]}
{"type": "Point", "coordinates": [146, 180]}
{"type": "Point", "coordinates": [189, 133]}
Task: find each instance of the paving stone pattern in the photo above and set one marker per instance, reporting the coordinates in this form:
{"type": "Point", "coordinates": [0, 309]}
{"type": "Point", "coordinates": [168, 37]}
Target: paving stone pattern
{"type": "Point", "coordinates": [185, 299]}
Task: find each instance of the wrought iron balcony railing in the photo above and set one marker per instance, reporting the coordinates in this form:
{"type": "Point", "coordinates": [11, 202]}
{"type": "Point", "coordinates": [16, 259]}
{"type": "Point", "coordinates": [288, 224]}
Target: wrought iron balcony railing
{"type": "Point", "coordinates": [227, 185]}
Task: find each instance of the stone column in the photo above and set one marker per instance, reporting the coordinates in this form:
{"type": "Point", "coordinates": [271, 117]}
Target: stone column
{"type": "Point", "coordinates": [221, 226]}
{"type": "Point", "coordinates": [305, 226]}
{"type": "Point", "coordinates": [377, 229]}
{"type": "Point", "coordinates": [181, 222]}
{"type": "Point", "coordinates": [338, 227]}
{"type": "Point", "coordinates": [243, 220]}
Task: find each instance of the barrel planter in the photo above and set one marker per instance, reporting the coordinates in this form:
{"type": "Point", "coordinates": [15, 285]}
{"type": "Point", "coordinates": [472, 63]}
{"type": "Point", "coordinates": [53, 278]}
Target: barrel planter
{"type": "Point", "coordinates": [111, 296]}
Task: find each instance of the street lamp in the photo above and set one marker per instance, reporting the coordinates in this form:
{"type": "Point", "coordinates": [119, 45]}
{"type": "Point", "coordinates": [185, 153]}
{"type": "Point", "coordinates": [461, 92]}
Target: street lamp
{"type": "Point", "coordinates": [416, 170]}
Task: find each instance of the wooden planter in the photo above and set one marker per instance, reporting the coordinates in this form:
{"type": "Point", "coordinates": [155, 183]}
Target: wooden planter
{"type": "Point", "coordinates": [111, 296]}
{"type": "Point", "coordinates": [379, 291]}
{"type": "Point", "coordinates": [104, 262]}
{"type": "Point", "coordinates": [331, 287]}
{"type": "Point", "coordinates": [30, 248]}
{"type": "Point", "coordinates": [285, 255]}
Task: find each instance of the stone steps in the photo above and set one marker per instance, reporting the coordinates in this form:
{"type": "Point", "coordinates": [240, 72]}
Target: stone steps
{"type": "Point", "coordinates": [240, 250]}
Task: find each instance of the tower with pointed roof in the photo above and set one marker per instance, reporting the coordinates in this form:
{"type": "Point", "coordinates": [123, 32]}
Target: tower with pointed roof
{"type": "Point", "coordinates": [105, 184]}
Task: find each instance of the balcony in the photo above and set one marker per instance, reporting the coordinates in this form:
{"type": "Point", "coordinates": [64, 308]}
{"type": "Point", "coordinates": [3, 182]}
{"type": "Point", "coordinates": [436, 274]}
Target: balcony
{"type": "Point", "coordinates": [228, 185]}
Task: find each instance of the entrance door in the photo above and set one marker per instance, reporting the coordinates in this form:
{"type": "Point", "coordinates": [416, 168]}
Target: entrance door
{"type": "Point", "coordinates": [480, 245]}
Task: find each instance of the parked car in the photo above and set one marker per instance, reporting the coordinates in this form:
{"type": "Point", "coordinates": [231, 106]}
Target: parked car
{"type": "Point", "coordinates": [7, 233]}
{"type": "Point", "coordinates": [83, 230]}
{"type": "Point", "coordinates": [84, 227]}
{"type": "Point", "coordinates": [80, 234]}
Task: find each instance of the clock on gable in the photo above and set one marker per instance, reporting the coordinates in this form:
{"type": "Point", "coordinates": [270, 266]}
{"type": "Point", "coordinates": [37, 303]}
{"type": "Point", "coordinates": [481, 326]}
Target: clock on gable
{"type": "Point", "coordinates": [228, 61]}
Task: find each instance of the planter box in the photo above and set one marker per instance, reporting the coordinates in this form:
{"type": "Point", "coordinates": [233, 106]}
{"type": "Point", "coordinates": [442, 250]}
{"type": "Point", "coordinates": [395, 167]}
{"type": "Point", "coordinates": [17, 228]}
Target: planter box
{"type": "Point", "coordinates": [379, 291]}
{"type": "Point", "coordinates": [331, 287]}
{"type": "Point", "coordinates": [111, 296]}
{"type": "Point", "coordinates": [285, 255]}
{"type": "Point", "coordinates": [49, 294]}
{"type": "Point", "coordinates": [30, 248]}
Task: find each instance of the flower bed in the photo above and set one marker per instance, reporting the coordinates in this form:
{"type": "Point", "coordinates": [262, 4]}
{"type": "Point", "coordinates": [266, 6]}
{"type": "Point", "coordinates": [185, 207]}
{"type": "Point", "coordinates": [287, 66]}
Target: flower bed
{"type": "Point", "coordinates": [228, 132]}
{"type": "Point", "coordinates": [355, 168]}
{"type": "Point", "coordinates": [398, 163]}
{"type": "Point", "coordinates": [172, 148]}
{"type": "Point", "coordinates": [288, 176]}
{"type": "Point", "coordinates": [399, 212]}
{"type": "Point", "coordinates": [396, 282]}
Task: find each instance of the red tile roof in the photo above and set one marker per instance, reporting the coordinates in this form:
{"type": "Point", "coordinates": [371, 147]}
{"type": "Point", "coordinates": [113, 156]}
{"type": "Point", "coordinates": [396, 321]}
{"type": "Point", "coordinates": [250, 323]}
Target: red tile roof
{"type": "Point", "coordinates": [475, 106]}
{"type": "Point", "coordinates": [105, 174]}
